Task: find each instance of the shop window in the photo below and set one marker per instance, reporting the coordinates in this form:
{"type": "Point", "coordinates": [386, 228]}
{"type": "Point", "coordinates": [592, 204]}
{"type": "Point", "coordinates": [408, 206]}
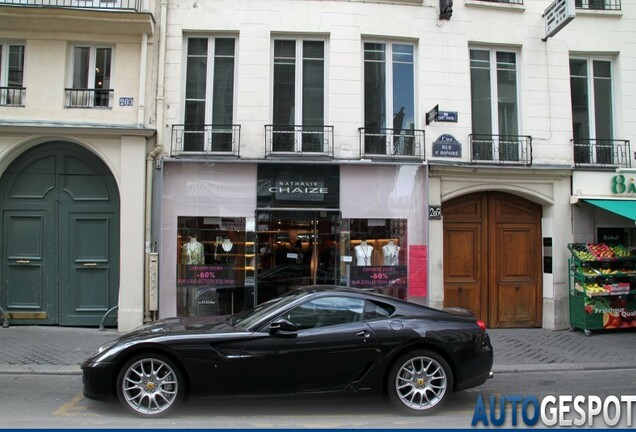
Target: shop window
{"type": "Point", "coordinates": [213, 258]}
{"type": "Point", "coordinates": [389, 99]}
{"type": "Point", "coordinates": [378, 254]}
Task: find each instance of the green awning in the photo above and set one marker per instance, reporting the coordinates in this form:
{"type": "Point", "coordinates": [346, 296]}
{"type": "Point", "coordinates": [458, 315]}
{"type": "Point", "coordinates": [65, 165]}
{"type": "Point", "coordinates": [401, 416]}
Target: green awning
{"type": "Point", "coordinates": [625, 208]}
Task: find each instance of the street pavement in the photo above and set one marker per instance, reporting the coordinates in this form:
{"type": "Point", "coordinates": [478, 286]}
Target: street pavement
{"type": "Point", "coordinates": [61, 350]}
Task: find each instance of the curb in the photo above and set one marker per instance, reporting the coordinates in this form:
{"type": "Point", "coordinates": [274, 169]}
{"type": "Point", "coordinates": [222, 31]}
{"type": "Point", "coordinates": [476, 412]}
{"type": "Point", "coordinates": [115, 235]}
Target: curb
{"type": "Point", "coordinates": [40, 369]}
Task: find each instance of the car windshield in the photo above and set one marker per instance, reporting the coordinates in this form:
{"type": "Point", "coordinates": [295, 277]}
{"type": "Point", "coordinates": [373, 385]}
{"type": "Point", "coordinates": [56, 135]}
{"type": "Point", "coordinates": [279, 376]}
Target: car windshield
{"type": "Point", "coordinates": [250, 317]}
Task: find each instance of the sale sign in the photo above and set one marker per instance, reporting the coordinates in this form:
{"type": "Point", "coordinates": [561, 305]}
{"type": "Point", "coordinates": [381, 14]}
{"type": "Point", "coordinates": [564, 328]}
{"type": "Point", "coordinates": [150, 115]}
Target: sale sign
{"type": "Point", "coordinates": [216, 275]}
{"type": "Point", "coordinates": [378, 276]}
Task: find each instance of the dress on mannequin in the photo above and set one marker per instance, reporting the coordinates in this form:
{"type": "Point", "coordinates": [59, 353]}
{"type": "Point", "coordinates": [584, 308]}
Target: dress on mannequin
{"type": "Point", "coordinates": [364, 254]}
{"type": "Point", "coordinates": [225, 253]}
{"type": "Point", "coordinates": [391, 254]}
{"type": "Point", "coordinates": [192, 252]}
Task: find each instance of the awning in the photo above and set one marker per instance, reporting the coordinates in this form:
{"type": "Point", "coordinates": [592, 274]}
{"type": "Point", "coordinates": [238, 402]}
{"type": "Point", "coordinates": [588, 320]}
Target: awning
{"type": "Point", "coordinates": [625, 208]}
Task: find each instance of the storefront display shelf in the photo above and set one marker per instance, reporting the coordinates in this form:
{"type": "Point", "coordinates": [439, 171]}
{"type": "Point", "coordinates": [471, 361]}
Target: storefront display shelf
{"type": "Point", "coordinates": [602, 288]}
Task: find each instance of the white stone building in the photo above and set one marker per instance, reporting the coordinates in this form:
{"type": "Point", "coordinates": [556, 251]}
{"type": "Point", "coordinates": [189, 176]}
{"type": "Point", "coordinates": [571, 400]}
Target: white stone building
{"type": "Point", "coordinates": [76, 125]}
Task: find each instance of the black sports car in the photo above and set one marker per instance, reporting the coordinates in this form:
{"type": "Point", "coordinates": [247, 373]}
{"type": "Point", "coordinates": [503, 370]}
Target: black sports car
{"type": "Point", "coordinates": [315, 339]}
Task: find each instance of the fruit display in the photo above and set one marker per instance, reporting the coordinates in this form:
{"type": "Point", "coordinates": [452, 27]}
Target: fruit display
{"type": "Point", "coordinates": [602, 287]}
{"type": "Point", "coordinates": [620, 251]}
{"type": "Point", "coordinates": [601, 251]}
{"type": "Point", "coordinates": [581, 252]}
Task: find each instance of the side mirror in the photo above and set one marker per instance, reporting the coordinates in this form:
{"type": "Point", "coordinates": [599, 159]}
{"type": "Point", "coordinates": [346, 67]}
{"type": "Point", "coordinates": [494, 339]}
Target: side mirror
{"type": "Point", "coordinates": [283, 327]}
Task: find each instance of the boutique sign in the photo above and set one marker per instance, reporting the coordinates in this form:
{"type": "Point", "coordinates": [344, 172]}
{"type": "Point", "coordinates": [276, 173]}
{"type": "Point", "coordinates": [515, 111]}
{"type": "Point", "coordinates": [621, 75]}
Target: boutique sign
{"type": "Point", "coordinates": [298, 186]}
{"type": "Point", "coordinates": [299, 190]}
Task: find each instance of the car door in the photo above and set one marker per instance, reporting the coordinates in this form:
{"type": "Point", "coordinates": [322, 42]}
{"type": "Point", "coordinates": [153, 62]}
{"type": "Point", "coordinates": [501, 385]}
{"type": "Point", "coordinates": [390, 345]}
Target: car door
{"type": "Point", "coordinates": [331, 347]}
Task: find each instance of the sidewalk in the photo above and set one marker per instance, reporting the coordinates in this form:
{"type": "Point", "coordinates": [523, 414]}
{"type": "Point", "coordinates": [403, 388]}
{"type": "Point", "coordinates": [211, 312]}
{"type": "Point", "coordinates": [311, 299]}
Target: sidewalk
{"type": "Point", "coordinates": [61, 350]}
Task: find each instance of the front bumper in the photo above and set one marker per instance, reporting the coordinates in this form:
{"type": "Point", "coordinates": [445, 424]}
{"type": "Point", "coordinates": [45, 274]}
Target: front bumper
{"type": "Point", "coordinates": [99, 381]}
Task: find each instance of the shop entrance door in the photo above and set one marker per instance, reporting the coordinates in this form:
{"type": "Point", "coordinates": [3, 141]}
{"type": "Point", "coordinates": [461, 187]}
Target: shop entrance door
{"type": "Point", "coordinates": [295, 248]}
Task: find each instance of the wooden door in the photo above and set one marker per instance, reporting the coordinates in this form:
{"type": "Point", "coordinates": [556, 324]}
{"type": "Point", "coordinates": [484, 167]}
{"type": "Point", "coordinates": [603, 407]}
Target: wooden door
{"type": "Point", "coordinates": [515, 262]}
{"type": "Point", "coordinates": [492, 258]}
{"type": "Point", "coordinates": [465, 267]}
{"type": "Point", "coordinates": [60, 256]}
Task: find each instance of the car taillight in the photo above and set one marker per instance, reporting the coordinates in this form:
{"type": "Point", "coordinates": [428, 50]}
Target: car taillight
{"type": "Point", "coordinates": [481, 324]}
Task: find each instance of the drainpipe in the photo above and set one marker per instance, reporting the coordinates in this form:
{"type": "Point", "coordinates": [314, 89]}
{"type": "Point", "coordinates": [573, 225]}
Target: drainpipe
{"type": "Point", "coordinates": [154, 154]}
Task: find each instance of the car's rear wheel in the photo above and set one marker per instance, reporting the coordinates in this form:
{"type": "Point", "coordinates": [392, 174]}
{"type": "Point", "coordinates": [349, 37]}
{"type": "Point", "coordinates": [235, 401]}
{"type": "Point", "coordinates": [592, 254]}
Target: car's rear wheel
{"type": "Point", "coordinates": [150, 385]}
{"type": "Point", "coordinates": [419, 382]}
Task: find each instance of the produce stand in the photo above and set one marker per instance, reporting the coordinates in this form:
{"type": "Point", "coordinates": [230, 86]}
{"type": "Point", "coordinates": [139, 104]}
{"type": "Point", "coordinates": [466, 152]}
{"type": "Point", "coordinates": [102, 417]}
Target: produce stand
{"type": "Point", "coordinates": [602, 287]}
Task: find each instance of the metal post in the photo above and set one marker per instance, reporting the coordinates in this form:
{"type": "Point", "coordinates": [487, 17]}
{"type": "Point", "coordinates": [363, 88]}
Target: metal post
{"type": "Point", "coordinates": [101, 324]}
{"type": "Point", "coordinates": [5, 318]}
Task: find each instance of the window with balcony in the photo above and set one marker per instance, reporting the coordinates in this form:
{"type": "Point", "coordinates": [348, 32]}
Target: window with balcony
{"type": "Point", "coordinates": [495, 108]}
{"type": "Point", "coordinates": [591, 90]}
{"type": "Point", "coordinates": [598, 4]}
{"type": "Point", "coordinates": [298, 115]}
{"type": "Point", "coordinates": [209, 98]}
{"type": "Point", "coordinates": [11, 74]}
{"type": "Point", "coordinates": [389, 101]}
{"type": "Point", "coordinates": [91, 78]}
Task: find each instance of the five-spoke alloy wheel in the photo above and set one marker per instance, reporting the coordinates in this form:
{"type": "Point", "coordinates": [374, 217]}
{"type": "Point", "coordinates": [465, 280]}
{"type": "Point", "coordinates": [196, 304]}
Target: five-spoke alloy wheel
{"type": "Point", "coordinates": [150, 385]}
{"type": "Point", "coordinates": [419, 381]}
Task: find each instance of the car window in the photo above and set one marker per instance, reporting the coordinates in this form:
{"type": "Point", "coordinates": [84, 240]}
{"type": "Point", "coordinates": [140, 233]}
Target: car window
{"type": "Point", "coordinates": [374, 310]}
{"type": "Point", "coordinates": [326, 311]}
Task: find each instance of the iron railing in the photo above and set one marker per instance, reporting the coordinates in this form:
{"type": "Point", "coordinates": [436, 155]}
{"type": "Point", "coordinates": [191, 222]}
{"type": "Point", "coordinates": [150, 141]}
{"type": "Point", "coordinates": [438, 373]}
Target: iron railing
{"type": "Point", "coordinates": [518, 2]}
{"type": "Point", "coordinates": [89, 98]}
{"type": "Point", "coordinates": [12, 96]}
{"type": "Point", "coordinates": [601, 153]}
{"type": "Point", "coordinates": [205, 140]}
{"type": "Point", "coordinates": [598, 4]}
{"type": "Point", "coordinates": [501, 149]}
{"type": "Point", "coordinates": [392, 143]}
{"type": "Point", "coordinates": [299, 140]}
{"type": "Point", "coordinates": [119, 5]}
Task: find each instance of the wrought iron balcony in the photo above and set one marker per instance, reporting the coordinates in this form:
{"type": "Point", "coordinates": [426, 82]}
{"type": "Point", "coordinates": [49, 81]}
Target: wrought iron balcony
{"type": "Point", "coordinates": [501, 149]}
{"type": "Point", "coordinates": [120, 5]}
{"type": "Point", "coordinates": [601, 153]}
{"type": "Point", "coordinates": [205, 140]}
{"type": "Point", "coordinates": [392, 143]}
{"type": "Point", "coordinates": [89, 98]}
{"type": "Point", "coordinates": [12, 96]}
{"type": "Point", "coordinates": [517, 2]}
{"type": "Point", "coordinates": [299, 140]}
{"type": "Point", "coordinates": [598, 4]}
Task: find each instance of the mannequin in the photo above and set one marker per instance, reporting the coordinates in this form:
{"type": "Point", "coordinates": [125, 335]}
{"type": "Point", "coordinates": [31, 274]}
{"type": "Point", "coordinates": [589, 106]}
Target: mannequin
{"type": "Point", "coordinates": [364, 254]}
{"type": "Point", "coordinates": [225, 252]}
{"type": "Point", "coordinates": [391, 254]}
{"type": "Point", "coordinates": [192, 252]}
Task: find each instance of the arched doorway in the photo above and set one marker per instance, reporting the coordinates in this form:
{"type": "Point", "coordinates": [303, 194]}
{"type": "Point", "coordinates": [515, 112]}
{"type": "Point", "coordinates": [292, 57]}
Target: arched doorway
{"type": "Point", "coordinates": [492, 258]}
{"type": "Point", "coordinates": [60, 230]}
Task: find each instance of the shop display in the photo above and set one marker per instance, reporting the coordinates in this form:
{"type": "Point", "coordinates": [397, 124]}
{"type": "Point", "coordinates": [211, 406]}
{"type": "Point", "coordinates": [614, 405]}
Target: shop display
{"type": "Point", "coordinates": [602, 287]}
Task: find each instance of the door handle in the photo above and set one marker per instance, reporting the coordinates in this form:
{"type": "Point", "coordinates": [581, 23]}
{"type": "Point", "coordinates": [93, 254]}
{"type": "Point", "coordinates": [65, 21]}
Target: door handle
{"type": "Point", "coordinates": [365, 334]}
{"type": "Point", "coordinates": [90, 264]}
{"type": "Point", "coordinates": [23, 261]}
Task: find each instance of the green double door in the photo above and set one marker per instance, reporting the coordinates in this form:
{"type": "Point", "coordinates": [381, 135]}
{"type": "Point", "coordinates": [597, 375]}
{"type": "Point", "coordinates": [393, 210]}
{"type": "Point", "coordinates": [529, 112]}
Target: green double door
{"type": "Point", "coordinates": [60, 237]}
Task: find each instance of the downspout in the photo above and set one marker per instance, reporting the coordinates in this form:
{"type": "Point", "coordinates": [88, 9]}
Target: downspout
{"type": "Point", "coordinates": [154, 154]}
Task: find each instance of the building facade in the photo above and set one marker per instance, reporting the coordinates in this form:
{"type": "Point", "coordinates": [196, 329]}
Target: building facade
{"type": "Point", "coordinates": [76, 126]}
{"type": "Point", "coordinates": [442, 152]}
{"type": "Point", "coordinates": [301, 130]}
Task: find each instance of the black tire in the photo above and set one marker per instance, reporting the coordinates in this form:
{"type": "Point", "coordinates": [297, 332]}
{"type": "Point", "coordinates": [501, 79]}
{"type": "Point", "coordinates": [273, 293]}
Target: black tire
{"type": "Point", "coordinates": [150, 385]}
{"type": "Point", "coordinates": [419, 382]}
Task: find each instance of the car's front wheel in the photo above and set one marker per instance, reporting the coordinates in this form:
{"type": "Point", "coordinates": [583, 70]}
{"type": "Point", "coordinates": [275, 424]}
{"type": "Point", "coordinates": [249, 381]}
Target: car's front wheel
{"type": "Point", "coordinates": [419, 381]}
{"type": "Point", "coordinates": [150, 385]}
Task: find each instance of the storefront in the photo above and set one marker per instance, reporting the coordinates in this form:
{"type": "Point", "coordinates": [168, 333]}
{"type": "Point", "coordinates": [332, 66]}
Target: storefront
{"type": "Point", "coordinates": [236, 234]}
{"type": "Point", "coordinates": [604, 207]}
